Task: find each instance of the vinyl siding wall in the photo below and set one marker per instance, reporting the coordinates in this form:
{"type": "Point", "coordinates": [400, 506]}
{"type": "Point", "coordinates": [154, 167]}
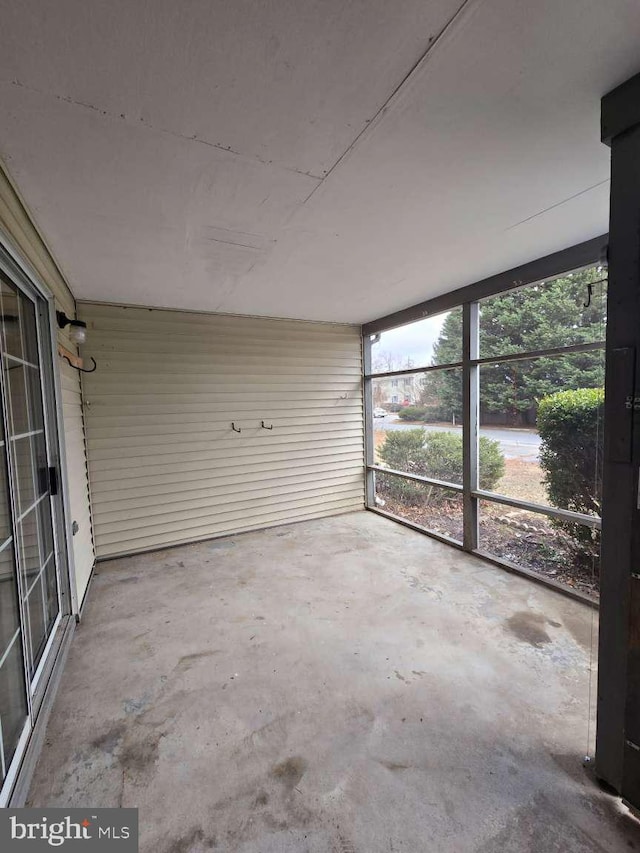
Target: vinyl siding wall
{"type": "Point", "coordinates": [164, 463]}
{"type": "Point", "coordinates": [24, 238]}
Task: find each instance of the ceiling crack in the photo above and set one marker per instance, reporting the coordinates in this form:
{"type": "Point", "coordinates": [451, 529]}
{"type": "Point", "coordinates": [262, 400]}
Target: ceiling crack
{"type": "Point", "coordinates": [557, 204]}
{"type": "Point", "coordinates": [233, 243]}
{"type": "Point", "coordinates": [194, 138]}
{"type": "Point", "coordinates": [433, 41]}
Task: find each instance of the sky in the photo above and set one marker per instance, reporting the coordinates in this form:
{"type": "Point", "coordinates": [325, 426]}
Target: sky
{"type": "Point", "coordinates": [414, 341]}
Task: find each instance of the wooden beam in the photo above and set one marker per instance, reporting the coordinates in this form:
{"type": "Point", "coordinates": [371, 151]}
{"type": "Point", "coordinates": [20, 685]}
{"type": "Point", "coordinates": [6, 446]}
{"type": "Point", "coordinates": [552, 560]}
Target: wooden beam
{"type": "Point", "coordinates": [75, 360]}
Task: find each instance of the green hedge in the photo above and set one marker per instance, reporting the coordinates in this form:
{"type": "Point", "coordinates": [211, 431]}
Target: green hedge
{"type": "Point", "coordinates": [427, 414]}
{"type": "Point", "coordinates": [412, 413]}
{"type": "Point", "coordinates": [437, 455]}
{"type": "Point", "coordinates": [570, 426]}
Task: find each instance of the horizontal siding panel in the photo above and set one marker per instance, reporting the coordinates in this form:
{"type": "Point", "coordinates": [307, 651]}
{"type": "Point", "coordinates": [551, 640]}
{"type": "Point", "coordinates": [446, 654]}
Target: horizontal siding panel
{"type": "Point", "coordinates": [343, 368]}
{"type": "Point", "coordinates": [231, 390]}
{"type": "Point", "coordinates": [145, 544]}
{"type": "Point", "coordinates": [247, 409]}
{"type": "Point", "coordinates": [220, 455]}
{"type": "Point", "coordinates": [205, 439]}
{"type": "Point", "coordinates": [208, 499]}
{"type": "Point", "coordinates": [176, 338]}
{"type": "Point", "coordinates": [167, 348]}
{"type": "Point", "coordinates": [248, 417]}
{"type": "Point", "coordinates": [211, 327]}
{"type": "Point", "coordinates": [200, 361]}
{"type": "Point", "coordinates": [178, 324]}
{"type": "Point", "coordinates": [69, 387]}
{"type": "Point", "coordinates": [197, 430]}
{"type": "Point", "coordinates": [120, 366]}
{"type": "Point", "coordinates": [220, 440]}
{"type": "Point", "coordinates": [195, 468]}
{"type": "Point", "coordinates": [223, 392]}
{"type": "Point", "coordinates": [166, 467]}
{"type": "Point", "coordinates": [185, 480]}
{"type": "Point", "coordinates": [215, 381]}
{"type": "Point", "coordinates": [167, 317]}
{"type": "Point", "coordinates": [195, 512]}
{"type": "Point", "coordinates": [156, 494]}
{"type": "Point", "coordinates": [162, 535]}
{"type": "Point", "coordinates": [70, 398]}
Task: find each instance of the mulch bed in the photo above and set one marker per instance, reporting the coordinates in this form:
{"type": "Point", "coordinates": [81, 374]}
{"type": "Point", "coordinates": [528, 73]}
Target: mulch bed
{"type": "Point", "coordinates": [511, 536]}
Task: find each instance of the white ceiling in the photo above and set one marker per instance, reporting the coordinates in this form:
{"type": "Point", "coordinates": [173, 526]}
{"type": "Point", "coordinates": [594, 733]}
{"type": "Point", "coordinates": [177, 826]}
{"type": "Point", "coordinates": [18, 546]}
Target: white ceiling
{"type": "Point", "coordinates": [277, 157]}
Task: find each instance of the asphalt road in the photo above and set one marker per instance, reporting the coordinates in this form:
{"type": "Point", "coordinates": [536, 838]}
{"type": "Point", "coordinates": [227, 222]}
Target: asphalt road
{"type": "Point", "coordinates": [514, 443]}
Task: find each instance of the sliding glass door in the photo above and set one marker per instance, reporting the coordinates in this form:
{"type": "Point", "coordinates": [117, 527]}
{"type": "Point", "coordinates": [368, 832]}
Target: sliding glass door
{"type": "Point", "coordinates": [30, 589]}
{"type": "Point", "coordinates": [27, 458]}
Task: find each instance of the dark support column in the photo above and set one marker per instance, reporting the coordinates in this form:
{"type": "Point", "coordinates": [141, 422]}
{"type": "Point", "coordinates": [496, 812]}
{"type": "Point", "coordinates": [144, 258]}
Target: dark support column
{"type": "Point", "coordinates": [618, 733]}
{"type": "Point", "coordinates": [369, 455]}
{"type": "Point", "coordinates": [470, 392]}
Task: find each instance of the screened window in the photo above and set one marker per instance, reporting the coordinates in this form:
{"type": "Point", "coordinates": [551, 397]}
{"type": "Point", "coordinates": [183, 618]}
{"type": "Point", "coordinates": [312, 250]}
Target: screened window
{"type": "Point", "coordinates": [534, 386]}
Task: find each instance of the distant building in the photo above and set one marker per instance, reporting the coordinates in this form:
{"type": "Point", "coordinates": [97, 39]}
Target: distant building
{"type": "Point", "coordinates": [397, 390]}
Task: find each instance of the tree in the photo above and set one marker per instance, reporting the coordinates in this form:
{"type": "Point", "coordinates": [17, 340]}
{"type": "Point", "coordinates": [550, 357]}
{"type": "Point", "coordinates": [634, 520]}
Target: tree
{"type": "Point", "coordinates": [384, 362]}
{"type": "Point", "coordinates": [387, 361]}
{"type": "Point", "coordinates": [538, 317]}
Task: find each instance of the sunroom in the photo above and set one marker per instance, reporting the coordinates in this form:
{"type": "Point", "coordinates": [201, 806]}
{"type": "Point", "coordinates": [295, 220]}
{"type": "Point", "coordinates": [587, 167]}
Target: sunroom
{"type": "Point", "coordinates": [320, 454]}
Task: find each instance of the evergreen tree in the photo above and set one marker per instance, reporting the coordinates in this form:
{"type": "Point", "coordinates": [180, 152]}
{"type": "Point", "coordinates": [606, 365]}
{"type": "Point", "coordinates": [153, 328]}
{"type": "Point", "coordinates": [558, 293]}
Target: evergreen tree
{"type": "Point", "coordinates": [538, 317]}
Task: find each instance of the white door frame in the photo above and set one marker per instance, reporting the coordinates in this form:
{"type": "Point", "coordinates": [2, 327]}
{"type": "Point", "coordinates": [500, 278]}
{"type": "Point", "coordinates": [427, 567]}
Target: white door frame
{"type": "Point", "coordinates": [26, 279]}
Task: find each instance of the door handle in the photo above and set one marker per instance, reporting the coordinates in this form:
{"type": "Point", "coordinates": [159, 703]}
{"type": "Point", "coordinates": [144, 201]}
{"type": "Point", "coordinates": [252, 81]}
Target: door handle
{"type": "Point", "coordinates": [53, 481]}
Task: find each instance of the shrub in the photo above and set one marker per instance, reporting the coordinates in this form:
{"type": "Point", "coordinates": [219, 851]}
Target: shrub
{"type": "Point", "coordinates": [402, 450]}
{"type": "Point", "coordinates": [427, 414]}
{"type": "Point", "coordinates": [570, 426]}
{"type": "Point", "coordinates": [491, 463]}
{"type": "Point", "coordinates": [437, 455]}
{"type": "Point", "coordinates": [412, 413]}
{"type": "Point", "coordinates": [435, 413]}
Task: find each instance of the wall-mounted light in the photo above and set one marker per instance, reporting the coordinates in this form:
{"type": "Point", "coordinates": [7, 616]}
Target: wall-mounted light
{"type": "Point", "coordinates": [78, 329]}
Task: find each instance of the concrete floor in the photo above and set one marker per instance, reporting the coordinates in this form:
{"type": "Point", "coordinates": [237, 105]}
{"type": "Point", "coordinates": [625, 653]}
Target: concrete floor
{"type": "Point", "coordinates": [339, 686]}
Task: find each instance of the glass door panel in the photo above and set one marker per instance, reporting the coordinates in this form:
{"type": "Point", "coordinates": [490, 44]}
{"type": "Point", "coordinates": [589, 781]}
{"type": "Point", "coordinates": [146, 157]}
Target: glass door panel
{"type": "Point", "coordinates": [13, 699]}
{"type": "Point", "coordinates": [28, 463]}
{"type": "Point", "coordinates": [12, 338]}
{"type": "Point", "coordinates": [30, 540]}
{"type": "Point", "coordinates": [13, 694]}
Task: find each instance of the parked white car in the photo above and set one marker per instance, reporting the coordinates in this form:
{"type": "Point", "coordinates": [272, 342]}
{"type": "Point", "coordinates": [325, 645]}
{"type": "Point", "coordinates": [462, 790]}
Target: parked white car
{"type": "Point", "coordinates": [379, 413]}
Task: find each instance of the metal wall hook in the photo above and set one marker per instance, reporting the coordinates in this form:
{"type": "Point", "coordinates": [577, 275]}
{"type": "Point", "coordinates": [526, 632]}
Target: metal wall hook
{"type": "Point", "coordinates": [262, 424]}
{"type": "Point", "coordinates": [83, 369]}
{"type": "Point", "coordinates": [235, 428]}
{"type": "Point", "coordinates": [589, 295]}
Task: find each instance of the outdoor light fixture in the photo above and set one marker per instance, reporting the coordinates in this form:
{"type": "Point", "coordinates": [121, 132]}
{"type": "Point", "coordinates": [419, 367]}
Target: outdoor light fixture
{"type": "Point", "coordinates": [78, 330]}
